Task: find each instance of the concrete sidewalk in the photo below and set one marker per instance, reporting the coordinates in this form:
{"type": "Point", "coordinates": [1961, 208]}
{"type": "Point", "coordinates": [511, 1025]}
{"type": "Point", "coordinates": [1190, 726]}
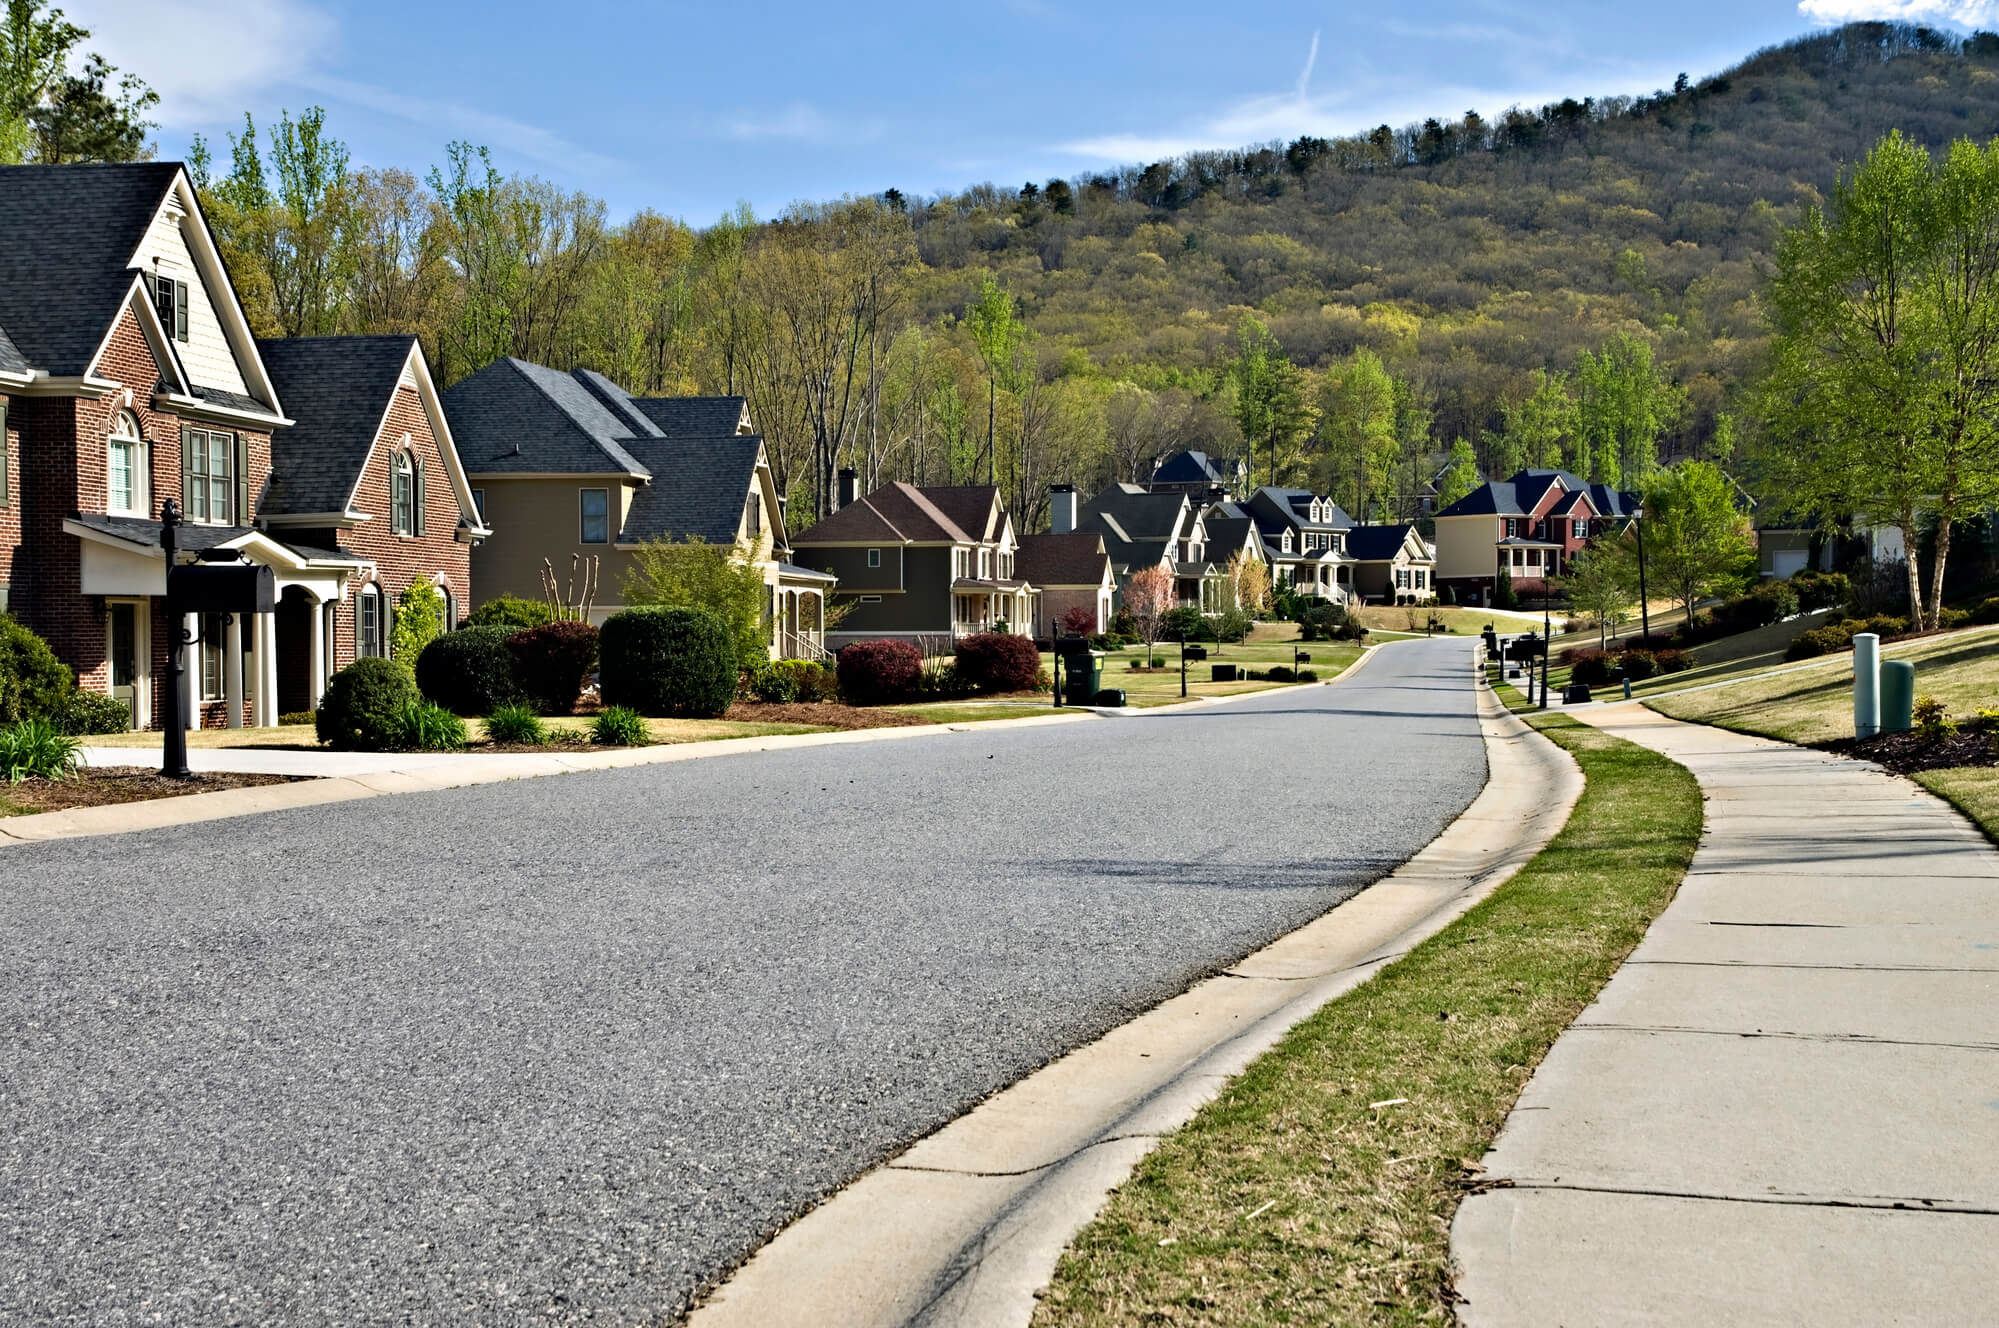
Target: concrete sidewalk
{"type": "Point", "coordinates": [1784, 1108]}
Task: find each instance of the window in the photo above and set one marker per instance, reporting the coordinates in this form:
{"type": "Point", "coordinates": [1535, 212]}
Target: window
{"type": "Point", "coordinates": [871, 599]}
{"type": "Point", "coordinates": [479, 504]}
{"type": "Point", "coordinates": [1402, 578]}
{"type": "Point", "coordinates": [985, 564]}
{"type": "Point", "coordinates": [450, 609]}
{"type": "Point", "coordinates": [214, 636]}
{"type": "Point", "coordinates": [406, 494]}
{"type": "Point", "coordinates": [214, 485]}
{"type": "Point", "coordinates": [129, 485]}
{"type": "Point", "coordinates": [753, 515]}
{"type": "Point", "coordinates": [874, 557]}
{"type": "Point", "coordinates": [368, 623]}
{"type": "Point", "coordinates": [1581, 528]}
{"type": "Point", "coordinates": [1512, 528]}
{"type": "Point", "coordinates": [1287, 541]}
{"type": "Point", "coordinates": [170, 302]}
{"type": "Point", "coordinates": [596, 516]}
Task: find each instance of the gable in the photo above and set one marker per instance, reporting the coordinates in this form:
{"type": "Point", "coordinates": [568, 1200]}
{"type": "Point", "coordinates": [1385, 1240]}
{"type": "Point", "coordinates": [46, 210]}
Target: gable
{"type": "Point", "coordinates": [206, 354]}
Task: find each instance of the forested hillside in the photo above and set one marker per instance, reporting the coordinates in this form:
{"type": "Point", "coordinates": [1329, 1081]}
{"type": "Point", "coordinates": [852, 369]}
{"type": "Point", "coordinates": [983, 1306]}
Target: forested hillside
{"type": "Point", "coordinates": [1578, 283]}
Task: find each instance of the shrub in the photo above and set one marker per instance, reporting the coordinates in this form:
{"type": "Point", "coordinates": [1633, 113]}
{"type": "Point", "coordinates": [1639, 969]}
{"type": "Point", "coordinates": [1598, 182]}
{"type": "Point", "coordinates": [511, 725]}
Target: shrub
{"type": "Point", "coordinates": [1281, 673]}
{"type": "Point", "coordinates": [816, 682]}
{"type": "Point", "coordinates": [552, 661]}
{"type": "Point", "coordinates": [1329, 622]}
{"type": "Point", "coordinates": [1987, 612]}
{"type": "Point", "coordinates": [1308, 675]}
{"type": "Point", "coordinates": [470, 672]}
{"type": "Point", "coordinates": [722, 579]}
{"type": "Point", "coordinates": [1819, 641]}
{"type": "Point", "coordinates": [292, 718]}
{"type": "Point", "coordinates": [92, 712]}
{"type": "Point", "coordinates": [1233, 626]}
{"type": "Point", "coordinates": [419, 620]}
{"type": "Point", "coordinates": [990, 662]}
{"type": "Point", "coordinates": [774, 684]}
{"type": "Point", "coordinates": [34, 748]}
{"type": "Point", "coordinates": [429, 727]}
{"type": "Point", "coordinates": [876, 672]}
{"type": "Point", "coordinates": [34, 684]}
{"type": "Point", "coordinates": [1933, 721]}
{"type": "Point", "coordinates": [516, 723]}
{"type": "Point", "coordinates": [1078, 621]}
{"type": "Point", "coordinates": [512, 613]}
{"type": "Point", "coordinates": [1590, 666]}
{"type": "Point", "coordinates": [1885, 625]}
{"type": "Point", "coordinates": [661, 661]}
{"type": "Point", "coordinates": [1672, 661]}
{"type": "Point", "coordinates": [1769, 602]}
{"type": "Point", "coordinates": [621, 726]}
{"type": "Point", "coordinates": [363, 707]}
{"type": "Point", "coordinates": [1638, 665]}
{"type": "Point", "coordinates": [943, 680]}
{"type": "Point", "coordinates": [1948, 618]}
{"type": "Point", "coordinates": [1183, 621]}
{"type": "Point", "coordinates": [1820, 590]}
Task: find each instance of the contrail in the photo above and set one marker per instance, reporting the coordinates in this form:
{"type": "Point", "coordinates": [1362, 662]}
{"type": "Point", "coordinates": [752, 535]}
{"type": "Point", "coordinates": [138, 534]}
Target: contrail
{"type": "Point", "coordinates": [1305, 79]}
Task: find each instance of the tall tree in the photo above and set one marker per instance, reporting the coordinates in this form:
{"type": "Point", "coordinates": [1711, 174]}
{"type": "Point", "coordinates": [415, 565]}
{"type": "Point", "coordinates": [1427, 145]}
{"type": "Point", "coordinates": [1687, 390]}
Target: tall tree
{"type": "Point", "coordinates": [1541, 430]}
{"type": "Point", "coordinates": [1696, 539]}
{"type": "Point", "coordinates": [1460, 477]}
{"type": "Point", "coordinates": [1357, 428]}
{"type": "Point", "coordinates": [1270, 406]}
{"type": "Point", "coordinates": [93, 115]}
{"type": "Point", "coordinates": [997, 331]}
{"type": "Point", "coordinates": [1624, 404]}
{"type": "Point", "coordinates": [1602, 583]}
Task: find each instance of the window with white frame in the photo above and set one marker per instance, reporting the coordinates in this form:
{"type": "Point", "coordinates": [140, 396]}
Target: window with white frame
{"type": "Point", "coordinates": [214, 637]}
{"type": "Point", "coordinates": [1512, 528]}
{"type": "Point", "coordinates": [405, 493]}
{"type": "Point", "coordinates": [170, 302]}
{"type": "Point", "coordinates": [369, 637]}
{"type": "Point", "coordinates": [595, 506]}
{"type": "Point", "coordinates": [128, 477]}
{"type": "Point", "coordinates": [985, 564]}
{"type": "Point", "coordinates": [874, 557]}
{"type": "Point", "coordinates": [1581, 528]}
{"type": "Point", "coordinates": [210, 481]}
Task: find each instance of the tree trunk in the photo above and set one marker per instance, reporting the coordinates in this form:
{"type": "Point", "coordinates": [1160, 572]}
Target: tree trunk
{"type": "Point", "coordinates": [1915, 569]}
{"type": "Point", "coordinates": [1936, 577]}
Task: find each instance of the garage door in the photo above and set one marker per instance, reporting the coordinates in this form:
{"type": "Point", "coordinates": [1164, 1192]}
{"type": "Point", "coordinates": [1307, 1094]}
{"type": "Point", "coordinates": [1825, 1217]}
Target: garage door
{"type": "Point", "coordinates": [1786, 562]}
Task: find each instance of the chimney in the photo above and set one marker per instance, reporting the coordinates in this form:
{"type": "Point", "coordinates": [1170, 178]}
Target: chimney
{"type": "Point", "coordinates": [850, 487]}
{"type": "Point", "coordinates": [1062, 508]}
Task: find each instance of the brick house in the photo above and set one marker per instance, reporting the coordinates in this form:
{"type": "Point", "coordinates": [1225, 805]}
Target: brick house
{"type": "Point", "coordinates": [129, 375]}
{"type": "Point", "coordinates": [1072, 572]}
{"type": "Point", "coordinates": [1531, 525]}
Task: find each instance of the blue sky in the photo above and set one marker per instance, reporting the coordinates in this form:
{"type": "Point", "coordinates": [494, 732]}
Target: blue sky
{"type": "Point", "coordinates": [689, 108]}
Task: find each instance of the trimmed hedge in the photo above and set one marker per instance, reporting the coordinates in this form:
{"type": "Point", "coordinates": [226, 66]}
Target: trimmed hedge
{"type": "Point", "coordinates": [468, 672]}
{"type": "Point", "coordinates": [783, 681]}
{"type": "Point", "coordinates": [990, 662]}
{"type": "Point", "coordinates": [877, 672]}
{"type": "Point", "coordinates": [552, 661]}
{"type": "Point", "coordinates": [1590, 666]}
{"type": "Point", "coordinates": [511, 612]}
{"type": "Point", "coordinates": [34, 684]}
{"type": "Point", "coordinates": [674, 662]}
{"type": "Point", "coordinates": [363, 708]}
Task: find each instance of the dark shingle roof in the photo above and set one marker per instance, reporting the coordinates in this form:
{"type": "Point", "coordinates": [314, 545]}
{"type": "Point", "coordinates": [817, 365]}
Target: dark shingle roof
{"type": "Point", "coordinates": [693, 417]}
{"type": "Point", "coordinates": [970, 507]}
{"type": "Point", "coordinates": [67, 235]}
{"type": "Point", "coordinates": [1074, 559]}
{"type": "Point", "coordinates": [897, 512]}
{"type": "Point", "coordinates": [1192, 467]}
{"type": "Point", "coordinates": [337, 389]}
{"type": "Point", "coordinates": [1517, 495]}
{"type": "Point", "coordinates": [516, 416]}
{"type": "Point", "coordinates": [699, 488]}
{"type": "Point", "coordinates": [11, 359]}
{"type": "Point", "coordinates": [1369, 544]}
{"type": "Point", "coordinates": [619, 402]}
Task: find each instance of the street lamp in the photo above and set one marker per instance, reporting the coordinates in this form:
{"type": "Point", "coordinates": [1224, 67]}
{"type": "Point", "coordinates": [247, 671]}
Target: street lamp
{"type": "Point", "coordinates": [1644, 605]}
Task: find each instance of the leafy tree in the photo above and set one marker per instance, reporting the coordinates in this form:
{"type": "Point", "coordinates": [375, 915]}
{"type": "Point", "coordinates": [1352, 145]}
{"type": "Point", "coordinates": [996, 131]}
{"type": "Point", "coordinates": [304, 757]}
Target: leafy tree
{"type": "Point", "coordinates": [1602, 582]}
{"type": "Point", "coordinates": [51, 115]}
{"type": "Point", "coordinates": [1357, 426]}
{"type": "Point", "coordinates": [1543, 430]}
{"type": "Point", "coordinates": [997, 331]}
{"type": "Point", "coordinates": [1249, 583]}
{"type": "Point", "coordinates": [1696, 538]}
{"type": "Point", "coordinates": [1268, 395]}
{"type": "Point", "coordinates": [419, 619]}
{"type": "Point", "coordinates": [1623, 406]}
{"type": "Point", "coordinates": [695, 574]}
{"type": "Point", "coordinates": [1461, 477]}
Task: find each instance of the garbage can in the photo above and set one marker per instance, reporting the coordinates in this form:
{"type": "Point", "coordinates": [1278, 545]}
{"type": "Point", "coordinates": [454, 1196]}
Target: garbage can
{"type": "Point", "coordinates": [1576, 693]}
{"type": "Point", "coordinates": [1111, 696]}
{"type": "Point", "coordinates": [1082, 671]}
{"type": "Point", "coordinates": [1898, 696]}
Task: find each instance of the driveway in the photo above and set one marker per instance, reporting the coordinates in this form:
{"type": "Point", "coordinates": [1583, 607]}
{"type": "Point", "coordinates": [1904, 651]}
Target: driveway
{"type": "Point", "coordinates": [569, 1048]}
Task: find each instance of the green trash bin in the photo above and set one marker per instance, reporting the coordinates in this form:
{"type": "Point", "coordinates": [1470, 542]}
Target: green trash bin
{"type": "Point", "coordinates": [1898, 696]}
{"type": "Point", "coordinates": [1082, 672]}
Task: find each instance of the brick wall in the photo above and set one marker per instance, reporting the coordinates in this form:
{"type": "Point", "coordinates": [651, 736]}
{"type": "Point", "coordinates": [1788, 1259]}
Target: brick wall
{"type": "Point", "coordinates": [10, 504]}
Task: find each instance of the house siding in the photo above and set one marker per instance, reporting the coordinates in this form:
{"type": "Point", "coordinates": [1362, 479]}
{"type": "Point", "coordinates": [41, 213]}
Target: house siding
{"type": "Point", "coordinates": [206, 353]}
{"type": "Point", "coordinates": [536, 519]}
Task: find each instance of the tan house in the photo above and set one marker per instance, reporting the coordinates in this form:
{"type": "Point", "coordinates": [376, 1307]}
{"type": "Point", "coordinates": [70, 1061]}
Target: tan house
{"type": "Point", "coordinates": [1392, 564]}
{"type": "Point", "coordinates": [1072, 572]}
{"type": "Point", "coordinates": [564, 465]}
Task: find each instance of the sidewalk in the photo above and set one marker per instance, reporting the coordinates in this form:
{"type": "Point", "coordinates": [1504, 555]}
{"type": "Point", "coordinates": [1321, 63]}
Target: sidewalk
{"type": "Point", "coordinates": [1784, 1108]}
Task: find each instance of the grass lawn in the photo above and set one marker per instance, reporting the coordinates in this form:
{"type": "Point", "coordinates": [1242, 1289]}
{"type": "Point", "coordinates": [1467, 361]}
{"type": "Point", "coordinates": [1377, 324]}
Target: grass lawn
{"type": "Point", "coordinates": [1972, 790]}
{"type": "Point", "coordinates": [1411, 618]}
{"type": "Point", "coordinates": [1815, 703]}
{"type": "Point", "coordinates": [1718, 661]}
{"type": "Point", "coordinates": [1319, 1188]}
{"type": "Point", "coordinates": [1155, 689]}
{"type": "Point", "coordinates": [965, 712]}
{"type": "Point", "coordinates": [301, 735]}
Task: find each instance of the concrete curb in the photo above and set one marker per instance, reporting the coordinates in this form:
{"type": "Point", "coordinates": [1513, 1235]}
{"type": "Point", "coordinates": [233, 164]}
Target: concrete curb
{"type": "Point", "coordinates": [967, 1225]}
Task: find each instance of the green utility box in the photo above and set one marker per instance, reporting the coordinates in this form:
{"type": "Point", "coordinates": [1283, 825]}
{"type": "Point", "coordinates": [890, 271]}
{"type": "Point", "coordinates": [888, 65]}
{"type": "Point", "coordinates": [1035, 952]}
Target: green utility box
{"type": "Point", "coordinates": [1898, 696]}
{"type": "Point", "coordinates": [1082, 671]}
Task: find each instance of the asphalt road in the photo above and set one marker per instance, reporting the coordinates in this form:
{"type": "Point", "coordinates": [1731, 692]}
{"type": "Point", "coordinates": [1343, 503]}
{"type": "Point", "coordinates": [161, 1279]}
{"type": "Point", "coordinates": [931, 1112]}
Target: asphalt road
{"type": "Point", "coordinates": [567, 1049]}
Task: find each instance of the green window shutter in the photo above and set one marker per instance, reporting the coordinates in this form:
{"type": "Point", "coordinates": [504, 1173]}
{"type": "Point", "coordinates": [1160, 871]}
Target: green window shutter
{"type": "Point", "coordinates": [416, 494]}
{"type": "Point", "coordinates": [189, 440]}
{"type": "Point", "coordinates": [242, 515]}
{"type": "Point", "coordinates": [180, 311]}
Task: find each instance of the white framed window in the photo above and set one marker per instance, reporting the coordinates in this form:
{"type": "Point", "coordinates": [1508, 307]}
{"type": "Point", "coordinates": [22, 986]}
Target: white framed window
{"type": "Point", "coordinates": [369, 638]}
{"type": "Point", "coordinates": [985, 564]}
{"type": "Point", "coordinates": [128, 475]}
{"type": "Point", "coordinates": [1581, 528]}
{"type": "Point", "coordinates": [212, 483]}
{"type": "Point", "coordinates": [871, 599]}
{"type": "Point", "coordinates": [594, 507]}
{"type": "Point", "coordinates": [214, 637]}
{"type": "Point", "coordinates": [874, 557]}
{"type": "Point", "coordinates": [405, 493]}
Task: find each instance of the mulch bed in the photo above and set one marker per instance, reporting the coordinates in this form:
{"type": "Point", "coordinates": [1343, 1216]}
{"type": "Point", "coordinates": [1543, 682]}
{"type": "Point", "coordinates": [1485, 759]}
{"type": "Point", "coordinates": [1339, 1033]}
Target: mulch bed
{"type": "Point", "coordinates": [558, 741]}
{"type": "Point", "coordinates": [825, 714]}
{"type": "Point", "coordinates": [103, 786]}
{"type": "Point", "coordinates": [1906, 753]}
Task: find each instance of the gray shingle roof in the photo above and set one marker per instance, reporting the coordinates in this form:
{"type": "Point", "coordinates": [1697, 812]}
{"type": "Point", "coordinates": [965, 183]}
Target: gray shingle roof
{"type": "Point", "coordinates": [620, 403]}
{"type": "Point", "coordinates": [693, 417]}
{"type": "Point", "coordinates": [1517, 495]}
{"type": "Point", "coordinates": [337, 389]}
{"type": "Point", "coordinates": [1074, 559]}
{"type": "Point", "coordinates": [699, 488]}
{"type": "Point", "coordinates": [516, 416]}
{"type": "Point", "coordinates": [1376, 543]}
{"type": "Point", "coordinates": [67, 234]}
{"type": "Point", "coordinates": [1192, 467]}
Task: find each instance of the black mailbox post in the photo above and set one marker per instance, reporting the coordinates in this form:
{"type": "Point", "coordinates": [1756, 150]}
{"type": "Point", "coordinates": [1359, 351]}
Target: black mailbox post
{"type": "Point", "coordinates": [220, 583]}
{"type": "Point", "coordinates": [219, 587]}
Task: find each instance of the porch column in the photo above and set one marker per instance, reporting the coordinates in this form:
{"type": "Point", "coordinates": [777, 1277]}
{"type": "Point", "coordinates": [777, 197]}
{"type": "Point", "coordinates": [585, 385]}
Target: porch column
{"type": "Point", "coordinates": [315, 672]}
{"type": "Point", "coordinates": [266, 626]}
{"type": "Point", "coordinates": [232, 672]}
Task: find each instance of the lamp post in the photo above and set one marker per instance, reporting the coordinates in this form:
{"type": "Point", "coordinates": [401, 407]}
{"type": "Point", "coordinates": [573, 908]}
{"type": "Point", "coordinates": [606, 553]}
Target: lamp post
{"type": "Point", "coordinates": [173, 724]}
{"type": "Point", "coordinates": [1644, 606]}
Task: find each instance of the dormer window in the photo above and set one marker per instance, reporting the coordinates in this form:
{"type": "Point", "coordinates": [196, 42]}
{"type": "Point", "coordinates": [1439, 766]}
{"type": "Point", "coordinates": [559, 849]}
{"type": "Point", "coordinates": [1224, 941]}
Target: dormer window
{"type": "Point", "coordinates": [170, 302]}
{"type": "Point", "coordinates": [1287, 541]}
{"type": "Point", "coordinates": [985, 564]}
{"type": "Point", "coordinates": [129, 477]}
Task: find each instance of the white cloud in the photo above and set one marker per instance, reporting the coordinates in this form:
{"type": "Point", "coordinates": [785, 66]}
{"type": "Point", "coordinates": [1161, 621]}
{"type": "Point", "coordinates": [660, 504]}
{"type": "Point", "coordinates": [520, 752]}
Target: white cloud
{"type": "Point", "coordinates": [801, 122]}
{"type": "Point", "coordinates": [1961, 13]}
{"type": "Point", "coordinates": [502, 133]}
{"type": "Point", "coordinates": [208, 59]}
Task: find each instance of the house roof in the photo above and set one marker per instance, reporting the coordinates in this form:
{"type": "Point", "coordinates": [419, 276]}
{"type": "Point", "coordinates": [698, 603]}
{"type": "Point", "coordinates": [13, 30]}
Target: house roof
{"type": "Point", "coordinates": [337, 390]}
{"type": "Point", "coordinates": [67, 236]}
{"type": "Point", "coordinates": [1192, 467]}
{"type": "Point", "coordinates": [192, 537]}
{"type": "Point", "coordinates": [903, 513]}
{"type": "Point", "coordinates": [1518, 495]}
{"type": "Point", "coordinates": [704, 483]}
{"type": "Point", "coordinates": [1370, 544]}
{"type": "Point", "coordinates": [1074, 559]}
{"type": "Point", "coordinates": [694, 417]}
{"type": "Point", "coordinates": [11, 359]}
{"type": "Point", "coordinates": [1135, 513]}
{"type": "Point", "coordinates": [621, 404]}
{"type": "Point", "coordinates": [515, 416]}
{"type": "Point", "coordinates": [1274, 508]}
{"type": "Point", "coordinates": [973, 508]}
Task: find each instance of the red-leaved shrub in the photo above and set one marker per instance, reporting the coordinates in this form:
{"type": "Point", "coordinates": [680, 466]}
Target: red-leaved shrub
{"type": "Point", "coordinates": [997, 662]}
{"type": "Point", "coordinates": [876, 672]}
{"type": "Point", "coordinates": [551, 662]}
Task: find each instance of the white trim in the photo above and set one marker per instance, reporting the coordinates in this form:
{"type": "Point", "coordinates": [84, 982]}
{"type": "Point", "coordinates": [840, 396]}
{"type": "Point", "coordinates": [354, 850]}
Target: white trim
{"type": "Point", "coordinates": [196, 408]}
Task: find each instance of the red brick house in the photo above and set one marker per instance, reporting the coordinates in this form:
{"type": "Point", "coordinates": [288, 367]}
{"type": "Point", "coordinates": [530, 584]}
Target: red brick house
{"type": "Point", "coordinates": [1530, 525]}
{"type": "Point", "coordinates": [129, 375]}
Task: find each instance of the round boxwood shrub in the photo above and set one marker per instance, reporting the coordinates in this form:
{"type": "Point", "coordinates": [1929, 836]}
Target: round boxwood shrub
{"type": "Point", "coordinates": [551, 662]}
{"type": "Point", "coordinates": [1638, 665]}
{"type": "Point", "coordinates": [877, 672]}
{"type": "Point", "coordinates": [511, 612]}
{"type": "Point", "coordinates": [468, 672]}
{"type": "Point", "coordinates": [1828, 640]}
{"type": "Point", "coordinates": [667, 662]}
{"type": "Point", "coordinates": [990, 662]}
{"type": "Point", "coordinates": [363, 708]}
{"type": "Point", "coordinates": [34, 684]}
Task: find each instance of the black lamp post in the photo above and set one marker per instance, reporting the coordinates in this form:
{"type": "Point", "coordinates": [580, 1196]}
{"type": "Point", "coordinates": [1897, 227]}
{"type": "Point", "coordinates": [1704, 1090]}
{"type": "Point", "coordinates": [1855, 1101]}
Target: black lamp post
{"type": "Point", "coordinates": [173, 748]}
{"type": "Point", "coordinates": [1644, 605]}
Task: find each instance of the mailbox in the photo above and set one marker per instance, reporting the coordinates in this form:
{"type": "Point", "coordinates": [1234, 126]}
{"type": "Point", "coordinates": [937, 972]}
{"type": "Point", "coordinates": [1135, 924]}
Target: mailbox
{"type": "Point", "coordinates": [222, 588]}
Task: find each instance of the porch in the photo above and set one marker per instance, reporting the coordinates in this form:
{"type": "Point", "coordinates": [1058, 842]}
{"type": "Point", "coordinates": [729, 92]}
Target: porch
{"type": "Point", "coordinates": [983, 606]}
{"type": "Point", "coordinates": [797, 613]}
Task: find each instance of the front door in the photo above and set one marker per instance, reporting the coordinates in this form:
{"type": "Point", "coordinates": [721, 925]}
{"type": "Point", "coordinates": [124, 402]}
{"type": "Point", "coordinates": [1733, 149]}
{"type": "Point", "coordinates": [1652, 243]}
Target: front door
{"type": "Point", "coordinates": [125, 657]}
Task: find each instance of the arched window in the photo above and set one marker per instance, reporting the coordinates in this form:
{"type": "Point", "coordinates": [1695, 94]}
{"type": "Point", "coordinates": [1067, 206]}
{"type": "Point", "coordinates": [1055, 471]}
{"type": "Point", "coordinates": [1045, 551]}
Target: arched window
{"type": "Point", "coordinates": [369, 638]}
{"type": "Point", "coordinates": [129, 478]}
{"type": "Point", "coordinates": [402, 494]}
{"type": "Point", "coordinates": [450, 608]}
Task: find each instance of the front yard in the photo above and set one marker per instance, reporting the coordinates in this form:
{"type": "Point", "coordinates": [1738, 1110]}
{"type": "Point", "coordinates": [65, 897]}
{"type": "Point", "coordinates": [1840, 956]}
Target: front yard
{"type": "Point", "coordinates": [1145, 689]}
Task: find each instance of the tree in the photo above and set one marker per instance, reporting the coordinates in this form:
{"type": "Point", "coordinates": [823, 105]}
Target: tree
{"type": "Point", "coordinates": [997, 332]}
{"type": "Point", "coordinates": [1148, 598]}
{"type": "Point", "coordinates": [1268, 395]}
{"type": "Point", "coordinates": [1357, 428]}
{"type": "Point", "coordinates": [51, 115]}
{"type": "Point", "coordinates": [1249, 583]}
{"type": "Point", "coordinates": [1623, 405]}
{"type": "Point", "coordinates": [419, 618]}
{"type": "Point", "coordinates": [1601, 582]}
{"type": "Point", "coordinates": [1883, 397]}
{"type": "Point", "coordinates": [695, 574]}
{"type": "Point", "coordinates": [1461, 477]}
{"type": "Point", "coordinates": [1542, 430]}
{"type": "Point", "coordinates": [1696, 539]}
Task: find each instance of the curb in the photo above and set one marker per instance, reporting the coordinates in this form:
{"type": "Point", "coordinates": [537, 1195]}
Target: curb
{"type": "Point", "coordinates": [966, 1225]}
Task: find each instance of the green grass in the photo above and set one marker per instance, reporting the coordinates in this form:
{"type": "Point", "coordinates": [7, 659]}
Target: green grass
{"type": "Point", "coordinates": [958, 712]}
{"type": "Point", "coordinates": [1156, 689]}
{"type": "Point", "coordinates": [1973, 790]}
{"type": "Point", "coordinates": [1815, 703]}
{"type": "Point", "coordinates": [1294, 1198]}
{"type": "Point", "coordinates": [1717, 661]}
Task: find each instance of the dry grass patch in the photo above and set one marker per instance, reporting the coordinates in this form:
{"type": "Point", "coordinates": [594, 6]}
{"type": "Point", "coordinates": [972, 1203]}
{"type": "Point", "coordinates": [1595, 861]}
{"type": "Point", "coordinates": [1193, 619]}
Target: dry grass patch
{"type": "Point", "coordinates": [1319, 1188]}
